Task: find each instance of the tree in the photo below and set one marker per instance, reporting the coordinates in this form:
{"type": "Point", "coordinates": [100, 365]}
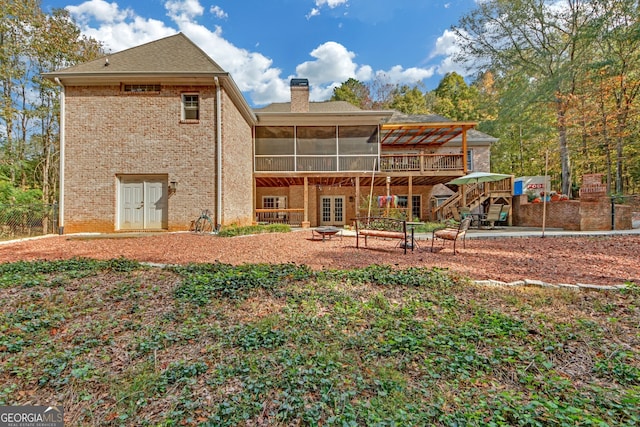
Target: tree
{"type": "Point", "coordinates": [617, 39]}
{"type": "Point", "coordinates": [354, 92]}
{"type": "Point", "coordinates": [542, 41]}
{"type": "Point", "coordinates": [31, 43]}
{"type": "Point", "coordinates": [455, 99]}
{"type": "Point", "coordinates": [409, 100]}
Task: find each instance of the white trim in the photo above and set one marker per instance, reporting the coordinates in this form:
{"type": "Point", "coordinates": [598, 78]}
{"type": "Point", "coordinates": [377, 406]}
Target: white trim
{"type": "Point", "coordinates": [218, 143]}
{"type": "Point", "coordinates": [62, 157]}
{"type": "Point", "coordinates": [184, 108]}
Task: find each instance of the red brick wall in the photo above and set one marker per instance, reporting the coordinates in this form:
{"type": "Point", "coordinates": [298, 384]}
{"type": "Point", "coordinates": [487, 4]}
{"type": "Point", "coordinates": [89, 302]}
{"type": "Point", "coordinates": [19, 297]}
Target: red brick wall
{"type": "Point", "coordinates": [595, 214]}
{"type": "Point", "coordinates": [623, 220]}
{"type": "Point", "coordinates": [111, 133]}
{"type": "Point", "coordinates": [564, 215]}
{"type": "Point", "coordinates": [237, 166]}
{"type": "Point", "coordinates": [572, 215]}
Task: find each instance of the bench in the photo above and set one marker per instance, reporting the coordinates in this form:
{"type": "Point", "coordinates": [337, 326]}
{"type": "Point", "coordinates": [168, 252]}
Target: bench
{"type": "Point", "coordinates": [388, 228]}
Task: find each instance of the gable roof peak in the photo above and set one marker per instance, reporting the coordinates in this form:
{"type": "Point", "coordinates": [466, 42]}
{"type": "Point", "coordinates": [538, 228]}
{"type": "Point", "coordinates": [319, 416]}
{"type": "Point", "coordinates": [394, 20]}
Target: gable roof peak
{"type": "Point", "coordinates": [173, 54]}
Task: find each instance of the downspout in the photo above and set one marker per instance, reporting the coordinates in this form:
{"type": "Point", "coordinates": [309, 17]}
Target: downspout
{"type": "Point", "coordinates": [62, 158]}
{"type": "Point", "coordinates": [218, 155]}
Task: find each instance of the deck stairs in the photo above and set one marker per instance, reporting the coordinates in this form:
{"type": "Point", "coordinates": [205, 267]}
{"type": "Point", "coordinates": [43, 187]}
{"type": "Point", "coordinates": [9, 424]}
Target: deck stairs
{"type": "Point", "coordinates": [476, 195]}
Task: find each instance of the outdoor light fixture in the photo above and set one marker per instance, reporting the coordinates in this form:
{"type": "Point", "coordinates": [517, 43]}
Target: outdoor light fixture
{"type": "Point", "coordinates": [173, 186]}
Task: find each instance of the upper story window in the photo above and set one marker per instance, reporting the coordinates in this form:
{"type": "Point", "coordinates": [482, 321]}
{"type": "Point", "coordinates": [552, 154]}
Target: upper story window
{"type": "Point", "coordinates": [190, 106]}
{"type": "Point", "coordinates": [316, 140]}
{"type": "Point", "coordinates": [275, 140]}
{"type": "Point", "coordinates": [140, 88]}
{"type": "Point", "coordinates": [316, 148]}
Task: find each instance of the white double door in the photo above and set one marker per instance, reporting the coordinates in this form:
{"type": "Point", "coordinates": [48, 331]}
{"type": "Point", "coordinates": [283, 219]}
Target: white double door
{"type": "Point", "coordinates": [143, 203]}
{"type": "Point", "coordinates": [332, 210]}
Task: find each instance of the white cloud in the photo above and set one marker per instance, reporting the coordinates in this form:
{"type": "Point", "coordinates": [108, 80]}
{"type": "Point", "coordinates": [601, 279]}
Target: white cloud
{"type": "Point", "coordinates": [397, 74]}
{"type": "Point", "coordinates": [98, 9]}
{"type": "Point", "coordinates": [183, 10]}
{"type": "Point", "coordinates": [118, 29]}
{"type": "Point", "coordinates": [332, 62]}
{"type": "Point", "coordinates": [331, 4]}
{"type": "Point", "coordinates": [314, 12]}
{"type": "Point", "coordinates": [218, 12]}
{"type": "Point", "coordinates": [447, 47]}
{"type": "Point", "coordinates": [330, 65]}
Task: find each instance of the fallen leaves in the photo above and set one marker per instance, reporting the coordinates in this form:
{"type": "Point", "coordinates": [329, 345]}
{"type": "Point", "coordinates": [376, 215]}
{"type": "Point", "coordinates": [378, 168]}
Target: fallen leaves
{"type": "Point", "coordinates": [606, 260]}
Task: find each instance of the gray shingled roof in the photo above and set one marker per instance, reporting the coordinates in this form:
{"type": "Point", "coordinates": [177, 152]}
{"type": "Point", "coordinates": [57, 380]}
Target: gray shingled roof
{"type": "Point", "coordinates": [173, 54]}
{"type": "Point", "coordinates": [314, 107]}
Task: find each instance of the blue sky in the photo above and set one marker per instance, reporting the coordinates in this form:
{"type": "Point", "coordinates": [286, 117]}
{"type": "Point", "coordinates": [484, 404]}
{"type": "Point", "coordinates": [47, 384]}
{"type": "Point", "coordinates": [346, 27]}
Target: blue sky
{"type": "Point", "coordinates": [264, 43]}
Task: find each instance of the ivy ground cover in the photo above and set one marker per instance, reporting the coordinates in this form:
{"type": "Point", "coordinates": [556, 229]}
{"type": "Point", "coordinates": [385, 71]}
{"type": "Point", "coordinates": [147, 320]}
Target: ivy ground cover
{"type": "Point", "coordinates": [118, 343]}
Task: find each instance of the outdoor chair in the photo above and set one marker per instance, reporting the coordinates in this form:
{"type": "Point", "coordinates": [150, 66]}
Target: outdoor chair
{"type": "Point", "coordinates": [452, 233]}
{"type": "Point", "coordinates": [504, 213]}
{"type": "Point", "coordinates": [493, 215]}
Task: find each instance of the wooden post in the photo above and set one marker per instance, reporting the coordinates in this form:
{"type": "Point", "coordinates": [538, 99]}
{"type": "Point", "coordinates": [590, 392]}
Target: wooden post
{"type": "Point", "coordinates": [305, 221]}
{"type": "Point", "coordinates": [464, 150]}
{"type": "Point", "coordinates": [410, 200]}
{"type": "Point", "coordinates": [388, 204]}
{"type": "Point", "coordinates": [253, 205]}
{"type": "Point", "coordinates": [357, 204]}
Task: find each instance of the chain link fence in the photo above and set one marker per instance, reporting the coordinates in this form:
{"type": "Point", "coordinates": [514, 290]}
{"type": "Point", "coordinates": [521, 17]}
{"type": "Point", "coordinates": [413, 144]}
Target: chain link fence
{"type": "Point", "coordinates": [17, 221]}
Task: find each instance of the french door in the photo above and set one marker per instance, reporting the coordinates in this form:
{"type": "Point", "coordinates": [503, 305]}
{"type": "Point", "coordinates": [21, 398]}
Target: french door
{"type": "Point", "coordinates": [143, 203]}
{"type": "Point", "coordinates": [331, 210]}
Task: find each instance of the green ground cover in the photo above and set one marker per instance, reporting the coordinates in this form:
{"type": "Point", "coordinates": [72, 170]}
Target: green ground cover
{"type": "Point", "coordinates": [118, 343]}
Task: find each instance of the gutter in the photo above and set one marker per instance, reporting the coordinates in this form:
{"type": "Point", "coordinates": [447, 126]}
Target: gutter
{"type": "Point", "coordinates": [62, 158]}
{"type": "Point", "coordinates": [218, 155]}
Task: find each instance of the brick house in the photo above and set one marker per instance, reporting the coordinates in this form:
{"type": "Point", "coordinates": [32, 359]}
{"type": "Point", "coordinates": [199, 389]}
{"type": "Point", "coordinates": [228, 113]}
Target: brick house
{"type": "Point", "coordinates": [152, 135]}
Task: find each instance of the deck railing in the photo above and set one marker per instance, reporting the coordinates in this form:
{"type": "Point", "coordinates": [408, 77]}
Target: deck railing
{"type": "Point", "coordinates": [292, 217]}
{"type": "Point", "coordinates": [364, 163]}
{"type": "Point", "coordinates": [420, 162]}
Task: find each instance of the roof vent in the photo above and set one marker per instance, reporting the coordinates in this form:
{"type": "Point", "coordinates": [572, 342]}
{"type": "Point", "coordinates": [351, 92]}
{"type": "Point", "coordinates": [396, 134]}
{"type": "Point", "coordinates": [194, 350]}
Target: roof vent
{"type": "Point", "coordinates": [299, 82]}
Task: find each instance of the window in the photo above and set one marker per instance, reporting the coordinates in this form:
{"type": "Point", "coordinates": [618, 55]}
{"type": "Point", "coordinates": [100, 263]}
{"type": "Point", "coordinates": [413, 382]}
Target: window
{"type": "Point", "coordinates": [274, 140]}
{"type": "Point", "coordinates": [141, 88]}
{"type": "Point", "coordinates": [470, 160]}
{"type": "Point", "coordinates": [353, 140]}
{"type": "Point", "coordinates": [316, 140]}
{"type": "Point", "coordinates": [274, 202]}
{"type": "Point", "coordinates": [190, 106]}
{"type": "Point", "coordinates": [403, 202]}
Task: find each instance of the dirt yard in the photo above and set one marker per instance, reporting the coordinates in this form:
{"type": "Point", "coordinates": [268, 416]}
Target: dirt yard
{"type": "Point", "coordinates": [592, 260]}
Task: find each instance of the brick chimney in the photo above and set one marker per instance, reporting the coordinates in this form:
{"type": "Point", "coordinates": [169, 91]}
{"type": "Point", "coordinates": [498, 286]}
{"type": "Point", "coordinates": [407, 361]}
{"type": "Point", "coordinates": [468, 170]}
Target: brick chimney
{"type": "Point", "coordinates": [299, 95]}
